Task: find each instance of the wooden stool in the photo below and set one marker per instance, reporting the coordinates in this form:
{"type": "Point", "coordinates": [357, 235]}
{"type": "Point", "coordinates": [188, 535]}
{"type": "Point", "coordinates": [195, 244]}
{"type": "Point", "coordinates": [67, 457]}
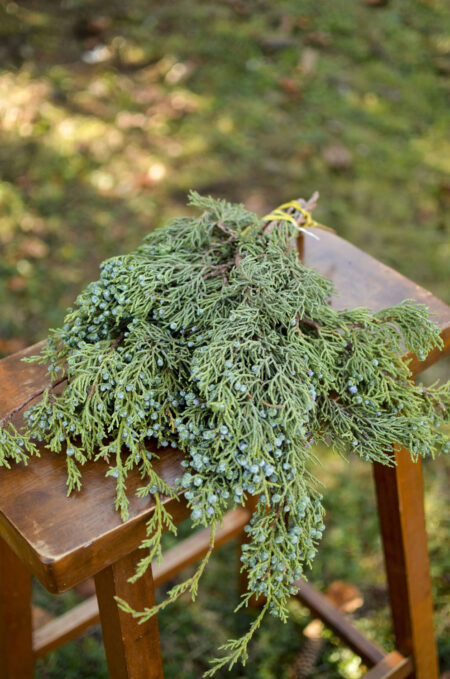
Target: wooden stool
{"type": "Point", "coordinates": [63, 541]}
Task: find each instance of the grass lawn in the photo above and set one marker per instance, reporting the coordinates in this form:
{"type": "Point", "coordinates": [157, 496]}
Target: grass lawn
{"type": "Point", "coordinates": [110, 112]}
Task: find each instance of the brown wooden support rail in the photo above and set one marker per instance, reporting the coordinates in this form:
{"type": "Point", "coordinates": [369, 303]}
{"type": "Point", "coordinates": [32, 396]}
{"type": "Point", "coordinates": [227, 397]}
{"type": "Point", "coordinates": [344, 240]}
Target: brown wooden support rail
{"type": "Point", "coordinates": [393, 666]}
{"type": "Point", "coordinates": [68, 626]}
{"type": "Point", "coordinates": [63, 541]}
{"type": "Point", "coordinates": [339, 623]}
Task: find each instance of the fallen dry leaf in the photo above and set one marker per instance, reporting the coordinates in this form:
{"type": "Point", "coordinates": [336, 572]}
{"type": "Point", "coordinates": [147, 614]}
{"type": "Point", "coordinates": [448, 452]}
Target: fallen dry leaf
{"type": "Point", "coordinates": [337, 156]}
{"type": "Point", "coordinates": [291, 86]}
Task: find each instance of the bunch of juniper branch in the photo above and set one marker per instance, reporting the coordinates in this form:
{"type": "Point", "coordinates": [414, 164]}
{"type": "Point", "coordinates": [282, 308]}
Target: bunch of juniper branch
{"type": "Point", "coordinates": [214, 338]}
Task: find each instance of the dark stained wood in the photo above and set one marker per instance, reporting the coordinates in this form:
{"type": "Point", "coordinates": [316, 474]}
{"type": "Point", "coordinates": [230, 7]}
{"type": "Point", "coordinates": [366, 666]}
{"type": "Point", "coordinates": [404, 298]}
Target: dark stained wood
{"type": "Point", "coordinates": [20, 380]}
{"type": "Point", "coordinates": [16, 657]}
{"type": "Point", "coordinates": [64, 540]}
{"type": "Point", "coordinates": [322, 608]}
{"type": "Point", "coordinates": [70, 625]}
{"type": "Point", "coordinates": [36, 517]}
{"type": "Point", "coordinates": [132, 650]}
{"type": "Point", "coordinates": [393, 666]}
{"type": "Point", "coordinates": [402, 522]}
{"type": "Point", "coordinates": [362, 280]}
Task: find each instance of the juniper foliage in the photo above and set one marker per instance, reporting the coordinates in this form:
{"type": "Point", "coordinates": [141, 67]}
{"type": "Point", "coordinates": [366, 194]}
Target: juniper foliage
{"type": "Point", "coordinates": [213, 337]}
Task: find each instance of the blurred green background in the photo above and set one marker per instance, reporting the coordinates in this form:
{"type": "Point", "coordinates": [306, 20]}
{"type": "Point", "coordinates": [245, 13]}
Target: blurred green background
{"type": "Point", "coordinates": [111, 111]}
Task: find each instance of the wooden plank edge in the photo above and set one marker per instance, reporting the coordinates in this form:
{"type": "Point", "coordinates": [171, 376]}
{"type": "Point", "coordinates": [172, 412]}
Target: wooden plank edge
{"type": "Point", "coordinates": [70, 625]}
{"type": "Point", "coordinates": [393, 666]}
{"type": "Point", "coordinates": [339, 623]}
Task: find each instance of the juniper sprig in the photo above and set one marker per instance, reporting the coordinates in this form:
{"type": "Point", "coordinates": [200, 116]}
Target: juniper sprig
{"type": "Point", "coordinates": [214, 338]}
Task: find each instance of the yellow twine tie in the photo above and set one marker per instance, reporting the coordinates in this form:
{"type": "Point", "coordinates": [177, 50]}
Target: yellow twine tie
{"type": "Point", "coordinates": [278, 215]}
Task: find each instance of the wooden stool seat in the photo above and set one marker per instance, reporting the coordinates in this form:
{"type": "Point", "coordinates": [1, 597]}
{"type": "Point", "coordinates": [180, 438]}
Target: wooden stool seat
{"type": "Point", "coordinates": [66, 540]}
{"type": "Point", "coordinates": [63, 541]}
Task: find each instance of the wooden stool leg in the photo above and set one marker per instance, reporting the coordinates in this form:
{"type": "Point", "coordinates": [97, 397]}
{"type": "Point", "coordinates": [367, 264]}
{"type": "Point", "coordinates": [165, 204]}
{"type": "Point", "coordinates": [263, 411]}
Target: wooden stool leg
{"type": "Point", "coordinates": [132, 650]}
{"type": "Point", "coordinates": [402, 521]}
{"type": "Point", "coordinates": [16, 652]}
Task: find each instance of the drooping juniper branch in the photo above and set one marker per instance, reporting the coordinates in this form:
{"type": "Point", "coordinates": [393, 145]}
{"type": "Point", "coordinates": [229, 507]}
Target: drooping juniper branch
{"type": "Point", "coordinates": [112, 348]}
